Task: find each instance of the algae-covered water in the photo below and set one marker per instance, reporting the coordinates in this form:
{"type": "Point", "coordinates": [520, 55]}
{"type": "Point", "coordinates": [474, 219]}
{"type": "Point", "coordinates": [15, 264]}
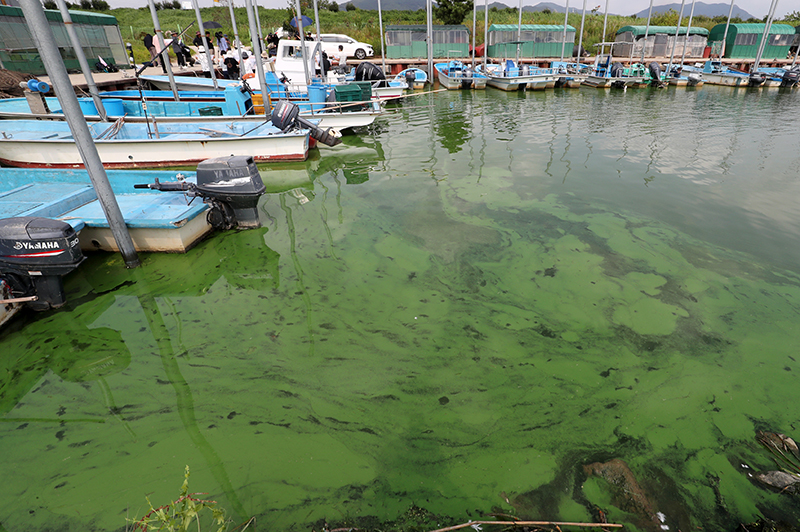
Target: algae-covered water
{"type": "Point", "coordinates": [459, 309]}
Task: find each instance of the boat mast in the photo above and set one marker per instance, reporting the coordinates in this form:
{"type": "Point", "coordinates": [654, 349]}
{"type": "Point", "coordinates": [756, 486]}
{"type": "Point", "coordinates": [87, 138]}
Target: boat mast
{"type": "Point", "coordinates": [87, 72]}
{"type": "Point", "coordinates": [54, 65]}
{"type": "Point", "coordinates": [164, 57]}
{"type": "Point", "coordinates": [564, 34]}
{"type": "Point", "coordinates": [767, 28]}
{"type": "Point", "coordinates": [429, 16]}
{"type": "Point", "coordinates": [380, 28]}
{"type": "Point", "coordinates": [580, 38]}
{"type": "Point", "coordinates": [237, 42]}
{"type": "Point", "coordinates": [646, 31]}
{"type": "Point", "coordinates": [208, 52]}
{"type": "Point", "coordinates": [688, 29]}
{"type": "Point", "coordinates": [725, 36]}
{"type": "Point", "coordinates": [675, 42]}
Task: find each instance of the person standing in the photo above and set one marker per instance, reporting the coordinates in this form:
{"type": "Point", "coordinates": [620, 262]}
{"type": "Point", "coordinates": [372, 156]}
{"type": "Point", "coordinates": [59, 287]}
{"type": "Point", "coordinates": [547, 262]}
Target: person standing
{"type": "Point", "coordinates": [148, 44]}
{"type": "Point", "coordinates": [202, 58]}
{"type": "Point", "coordinates": [222, 44]}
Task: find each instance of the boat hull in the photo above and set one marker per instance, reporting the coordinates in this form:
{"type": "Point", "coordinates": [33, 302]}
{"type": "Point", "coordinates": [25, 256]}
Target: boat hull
{"type": "Point", "coordinates": [726, 80]}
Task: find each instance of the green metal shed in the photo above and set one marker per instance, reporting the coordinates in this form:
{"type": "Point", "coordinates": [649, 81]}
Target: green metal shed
{"type": "Point", "coordinates": [744, 39]}
{"type": "Point", "coordinates": [660, 41]}
{"type": "Point", "coordinates": [98, 33]}
{"type": "Point", "coordinates": [536, 40]}
{"type": "Point", "coordinates": [408, 41]}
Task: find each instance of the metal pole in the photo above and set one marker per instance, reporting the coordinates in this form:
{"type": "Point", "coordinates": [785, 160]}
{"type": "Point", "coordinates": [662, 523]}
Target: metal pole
{"type": "Point", "coordinates": [164, 57]}
{"type": "Point", "coordinates": [208, 52]}
{"type": "Point", "coordinates": [258, 20]}
{"type": "Point", "coordinates": [605, 22]}
{"type": "Point", "coordinates": [725, 36]}
{"type": "Point", "coordinates": [262, 81]}
{"type": "Point", "coordinates": [767, 28]}
{"type": "Point", "coordinates": [519, 31]}
{"type": "Point", "coordinates": [485, 32]}
{"type": "Point", "coordinates": [302, 41]}
{"type": "Point", "coordinates": [675, 42]}
{"type": "Point", "coordinates": [564, 35]}
{"type": "Point", "coordinates": [316, 20]}
{"type": "Point", "coordinates": [46, 43]}
{"type": "Point", "coordinates": [429, 16]}
{"type": "Point", "coordinates": [580, 38]}
{"type": "Point", "coordinates": [688, 29]}
{"type": "Point", "coordinates": [87, 72]}
{"type": "Point", "coordinates": [474, 28]}
{"type": "Point", "coordinates": [646, 30]}
{"type": "Point", "coordinates": [380, 28]}
{"type": "Point", "coordinates": [237, 42]}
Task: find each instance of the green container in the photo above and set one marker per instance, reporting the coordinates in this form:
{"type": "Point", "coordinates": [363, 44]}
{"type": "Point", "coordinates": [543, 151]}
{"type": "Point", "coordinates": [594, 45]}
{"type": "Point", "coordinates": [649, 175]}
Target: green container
{"type": "Point", "coordinates": [366, 89]}
{"type": "Point", "coordinates": [347, 93]}
{"type": "Point", "coordinates": [210, 111]}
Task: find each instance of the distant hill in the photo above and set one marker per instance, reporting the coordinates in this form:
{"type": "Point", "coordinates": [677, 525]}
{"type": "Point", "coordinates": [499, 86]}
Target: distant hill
{"type": "Point", "coordinates": [701, 8]}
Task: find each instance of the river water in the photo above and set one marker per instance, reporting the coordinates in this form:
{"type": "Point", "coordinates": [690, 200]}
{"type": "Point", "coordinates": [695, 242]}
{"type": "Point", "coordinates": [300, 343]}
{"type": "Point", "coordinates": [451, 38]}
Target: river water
{"type": "Point", "coordinates": [458, 310]}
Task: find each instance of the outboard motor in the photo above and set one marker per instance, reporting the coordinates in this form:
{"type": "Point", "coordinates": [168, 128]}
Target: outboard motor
{"type": "Point", "coordinates": [790, 78]}
{"type": "Point", "coordinates": [369, 72]}
{"type": "Point", "coordinates": [757, 79]}
{"type": "Point", "coordinates": [286, 115]}
{"type": "Point", "coordinates": [411, 77]}
{"type": "Point", "coordinates": [655, 74]}
{"type": "Point", "coordinates": [231, 185]}
{"type": "Point", "coordinates": [34, 254]}
{"type": "Point", "coordinates": [694, 78]}
{"type": "Point", "coordinates": [617, 70]}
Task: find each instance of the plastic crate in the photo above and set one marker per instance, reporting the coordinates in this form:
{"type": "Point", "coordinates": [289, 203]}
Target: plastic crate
{"type": "Point", "coordinates": [366, 89]}
{"type": "Point", "coordinates": [210, 111]}
{"type": "Point", "coordinates": [347, 93]}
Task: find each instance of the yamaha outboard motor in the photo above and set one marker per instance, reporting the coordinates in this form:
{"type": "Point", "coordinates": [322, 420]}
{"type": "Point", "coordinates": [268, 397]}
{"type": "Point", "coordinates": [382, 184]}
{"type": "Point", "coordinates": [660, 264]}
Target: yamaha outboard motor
{"type": "Point", "coordinates": [286, 115]}
{"type": "Point", "coordinates": [411, 77]}
{"type": "Point", "coordinates": [34, 254]}
{"type": "Point", "coordinates": [655, 74]}
{"type": "Point", "coordinates": [231, 185]}
{"type": "Point", "coordinates": [790, 78]}
{"type": "Point", "coordinates": [757, 79]}
{"type": "Point", "coordinates": [617, 70]}
{"type": "Point", "coordinates": [369, 72]}
{"type": "Point", "coordinates": [694, 78]}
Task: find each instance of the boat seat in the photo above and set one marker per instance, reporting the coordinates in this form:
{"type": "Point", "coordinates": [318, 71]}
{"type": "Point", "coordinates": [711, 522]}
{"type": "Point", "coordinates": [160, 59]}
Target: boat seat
{"type": "Point", "coordinates": [48, 200]}
{"type": "Point", "coordinates": [165, 210]}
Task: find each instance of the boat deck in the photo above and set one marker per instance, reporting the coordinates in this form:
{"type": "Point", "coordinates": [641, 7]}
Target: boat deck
{"type": "Point", "coordinates": [157, 221]}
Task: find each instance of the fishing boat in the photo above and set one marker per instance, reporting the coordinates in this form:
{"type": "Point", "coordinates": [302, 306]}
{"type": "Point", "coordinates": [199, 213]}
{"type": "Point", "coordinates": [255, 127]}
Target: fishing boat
{"type": "Point", "coordinates": [609, 74]}
{"type": "Point", "coordinates": [508, 76]}
{"type": "Point", "coordinates": [455, 75]}
{"type": "Point", "coordinates": [569, 75]}
{"type": "Point", "coordinates": [774, 77]}
{"type": "Point", "coordinates": [415, 78]}
{"type": "Point", "coordinates": [685, 76]}
{"type": "Point", "coordinates": [715, 73]}
{"type": "Point", "coordinates": [47, 217]}
{"type": "Point", "coordinates": [203, 106]}
{"type": "Point", "coordinates": [49, 143]}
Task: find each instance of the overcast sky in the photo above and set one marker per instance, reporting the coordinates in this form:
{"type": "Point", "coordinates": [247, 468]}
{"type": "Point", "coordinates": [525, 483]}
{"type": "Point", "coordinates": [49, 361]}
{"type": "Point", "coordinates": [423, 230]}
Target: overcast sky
{"type": "Point", "coordinates": [757, 8]}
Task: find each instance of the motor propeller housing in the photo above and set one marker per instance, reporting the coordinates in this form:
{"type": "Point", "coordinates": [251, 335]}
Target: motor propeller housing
{"type": "Point", "coordinates": [286, 115]}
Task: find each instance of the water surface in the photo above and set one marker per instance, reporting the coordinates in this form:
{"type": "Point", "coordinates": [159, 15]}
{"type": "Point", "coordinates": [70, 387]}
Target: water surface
{"type": "Point", "coordinates": [458, 309]}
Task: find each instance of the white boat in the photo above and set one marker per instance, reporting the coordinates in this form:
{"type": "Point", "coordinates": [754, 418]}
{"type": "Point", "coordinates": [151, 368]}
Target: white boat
{"type": "Point", "coordinates": [455, 75]}
{"type": "Point", "coordinates": [715, 73]}
{"type": "Point", "coordinates": [416, 78]}
{"type": "Point", "coordinates": [508, 76]}
{"type": "Point", "coordinates": [49, 143]}
{"type": "Point", "coordinates": [609, 74]}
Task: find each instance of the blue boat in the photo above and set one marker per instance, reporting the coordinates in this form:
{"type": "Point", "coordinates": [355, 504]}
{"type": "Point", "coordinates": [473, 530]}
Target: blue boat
{"type": "Point", "coordinates": [415, 78]}
{"type": "Point", "coordinates": [456, 75]}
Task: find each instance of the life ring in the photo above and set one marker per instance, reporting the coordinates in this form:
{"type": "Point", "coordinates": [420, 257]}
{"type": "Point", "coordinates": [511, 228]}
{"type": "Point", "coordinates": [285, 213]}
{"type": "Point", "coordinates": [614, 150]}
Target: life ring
{"type": "Point", "coordinates": [248, 76]}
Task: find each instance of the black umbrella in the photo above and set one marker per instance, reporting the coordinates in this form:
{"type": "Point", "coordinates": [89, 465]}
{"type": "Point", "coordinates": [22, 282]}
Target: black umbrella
{"type": "Point", "coordinates": [211, 25]}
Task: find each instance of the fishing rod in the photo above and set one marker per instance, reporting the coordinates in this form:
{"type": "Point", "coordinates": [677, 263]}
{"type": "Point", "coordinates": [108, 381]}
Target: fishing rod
{"type": "Point", "coordinates": [137, 73]}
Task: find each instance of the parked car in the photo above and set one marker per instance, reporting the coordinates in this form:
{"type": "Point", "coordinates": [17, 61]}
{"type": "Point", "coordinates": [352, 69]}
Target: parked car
{"type": "Point", "coordinates": [352, 48]}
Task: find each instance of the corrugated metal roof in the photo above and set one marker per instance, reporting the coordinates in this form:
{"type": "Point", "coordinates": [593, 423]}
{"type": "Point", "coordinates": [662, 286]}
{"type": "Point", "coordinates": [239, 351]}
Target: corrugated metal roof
{"type": "Point", "coordinates": [745, 27]}
{"type": "Point", "coordinates": [530, 27]}
{"type": "Point", "coordinates": [98, 19]}
{"type": "Point", "coordinates": [669, 30]}
{"type": "Point", "coordinates": [423, 28]}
